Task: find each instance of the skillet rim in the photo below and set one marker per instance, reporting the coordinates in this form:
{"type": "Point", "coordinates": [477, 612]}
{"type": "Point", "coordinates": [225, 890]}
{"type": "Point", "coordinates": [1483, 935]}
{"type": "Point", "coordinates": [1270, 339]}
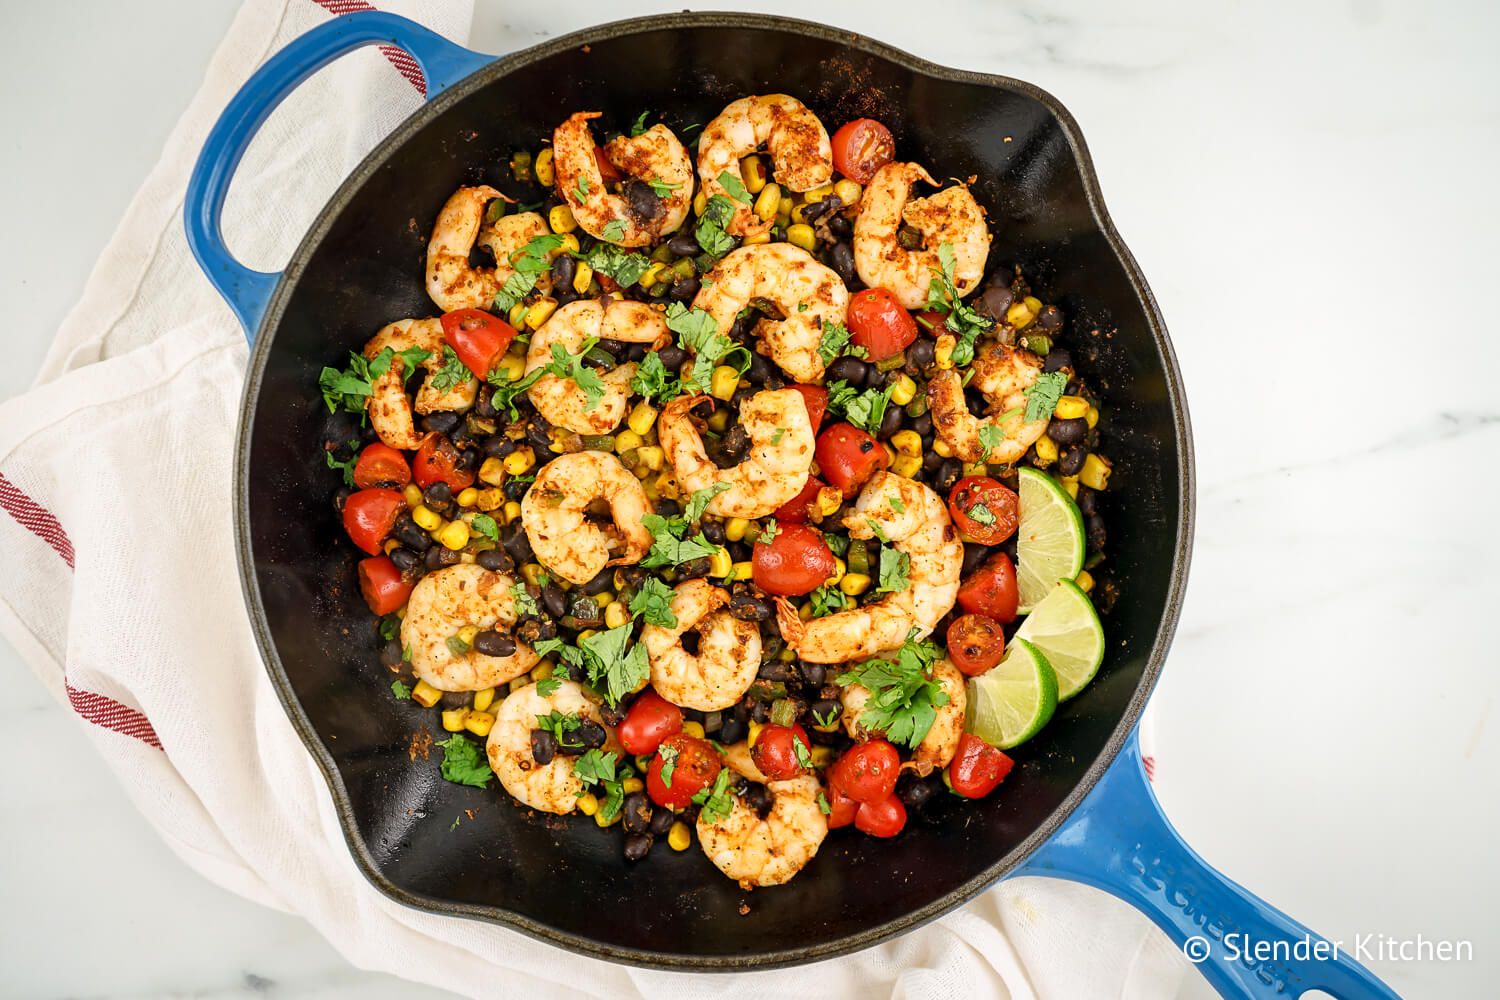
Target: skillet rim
{"type": "Point", "coordinates": [260, 353]}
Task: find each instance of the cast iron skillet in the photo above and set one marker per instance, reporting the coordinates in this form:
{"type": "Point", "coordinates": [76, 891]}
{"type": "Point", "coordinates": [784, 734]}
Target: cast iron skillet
{"type": "Point", "coordinates": [1077, 805]}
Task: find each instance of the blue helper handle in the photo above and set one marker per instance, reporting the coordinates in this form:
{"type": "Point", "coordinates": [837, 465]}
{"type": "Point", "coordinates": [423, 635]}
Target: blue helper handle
{"type": "Point", "coordinates": [246, 290]}
{"type": "Point", "coordinates": [1119, 841]}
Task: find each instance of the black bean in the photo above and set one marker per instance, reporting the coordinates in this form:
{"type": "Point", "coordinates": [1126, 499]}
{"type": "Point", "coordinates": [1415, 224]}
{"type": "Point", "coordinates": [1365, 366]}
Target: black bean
{"type": "Point", "coordinates": [439, 556]}
{"type": "Point", "coordinates": [760, 711]}
{"type": "Point", "coordinates": [590, 733]}
{"type": "Point", "coordinates": [636, 813]}
{"type": "Point", "coordinates": [612, 715]}
{"type": "Point", "coordinates": [644, 201]}
{"type": "Point", "coordinates": [757, 797]}
{"type": "Point", "coordinates": [1071, 461]}
{"type": "Point", "coordinates": [392, 653]}
{"type": "Point", "coordinates": [777, 670]}
{"type": "Point", "coordinates": [637, 845]}
{"type": "Point", "coordinates": [973, 556]}
{"type": "Point", "coordinates": [514, 540]}
{"type": "Point", "coordinates": [495, 560]}
{"type": "Point", "coordinates": [672, 357]}
{"type": "Point", "coordinates": [813, 674]}
{"type": "Point", "coordinates": [743, 329]}
{"type": "Point", "coordinates": [492, 643]}
{"type": "Point", "coordinates": [543, 746]}
{"type": "Point", "coordinates": [840, 227]}
{"type": "Point", "coordinates": [1070, 431]}
{"type": "Point", "coordinates": [635, 352]}
{"type": "Point", "coordinates": [922, 353]}
{"type": "Point", "coordinates": [847, 369]}
{"type": "Point", "coordinates": [407, 532]}
{"type": "Point", "coordinates": [684, 245]}
{"type": "Point", "coordinates": [497, 446]}
{"type": "Point", "coordinates": [614, 348]}
{"type": "Point", "coordinates": [948, 473]}
{"type": "Point", "coordinates": [1095, 526]}
{"type": "Point", "coordinates": [733, 730]}
{"type": "Point", "coordinates": [668, 508]}
{"type": "Point", "coordinates": [468, 460]}
{"type": "Point", "coordinates": [922, 424]}
{"type": "Point", "coordinates": [694, 569]}
{"type": "Point", "coordinates": [890, 422]}
{"type": "Point", "coordinates": [685, 289]}
{"type": "Point", "coordinates": [1050, 319]}
{"type": "Point", "coordinates": [455, 699]}
{"type": "Point", "coordinates": [405, 559]}
{"type": "Point", "coordinates": [1088, 501]}
{"type": "Point", "coordinates": [340, 497]}
{"type": "Point", "coordinates": [539, 435]}
{"type": "Point", "coordinates": [828, 710]}
{"type": "Point", "coordinates": [994, 300]}
{"type": "Point", "coordinates": [714, 532]}
{"type": "Point", "coordinates": [484, 406]}
{"type": "Point", "coordinates": [437, 495]}
{"type": "Point", "coordinates": [914, 794]}
{"type": "Point", "coordinates": [760, 369]}
{"type": "Point", "coordinates": [661, 821]}
{"type": "Point", "coordinates": [599, 584]}
{"type": "Point", "coordinates": [515, 489]}
{"type": "Point", "coordinates": [1057, 359]}
{"type": "Point", "coordinates": [750, 609]}
{"type": "Point", "coordinates": [735, 444]}
{"type": "Point", "coordinates": [533, 631]}
{"type": "Point", "coordinates": [931, 462]}
{"type": "Point", "coordinates": [841, 259]}
{"type": "Point", "coordinates": [443, 422]}
{"type": "Point", "coordinates": [812, 213]}
{"type": "Point", "coordinates": [554, 600]}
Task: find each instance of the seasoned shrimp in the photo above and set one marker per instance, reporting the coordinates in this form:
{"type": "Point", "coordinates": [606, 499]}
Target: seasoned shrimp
{"type": "Point", "coordinates": [951, 216]}
{"type": "Point", "coordinates": [1001, 374]}
{"type": "Point", "coordinates": [915, 519]}
{"type": "Point", "coordinates": [390, 410]}
{"type": "Point", "coordinates": [452, 282]}
{"type": "Point", "coordinates": [787, 279]}
{"type": "Point", "coordinates": [654, 161]}
{"type": "Point", "coordinates": [550, 787]}
{"type": "Point", "coordinates": [941, 742]}
{"type": "Point", "coordinates": [772, 473]}
{"type": "Point", "coordinates": [555, 512]}
{"type": "Point", "coordinates": [444, 602]}
{"type": "Point", "coordinates": [727, 657]}
{"type": "Point", "coordinates": [560, 400]}
{"type": "Point", "coordinates": [759, 852]}
{"type": "Point", "coordinates": [801, 155]}
{"type": "Point", "coordinates": [506, 236]}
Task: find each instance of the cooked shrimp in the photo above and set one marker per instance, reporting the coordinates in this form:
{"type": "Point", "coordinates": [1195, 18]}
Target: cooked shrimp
{"type": "Point", "coordinates": [727, 657]}
{"type": "Point", "coordinates": [801, 155]}
{"type": "Point", "coordinates": [915, 519]}
{"type": "Point", "coordinates": [550, 787]}
{"type": "Point", "coordinates": [560, 400]}
{"type": "Point", "coordinates": [555, 512]}
{"type": "Point", "coordinates": [451, 281]}
{"type": "Point", "coordinates": [506, 236]}
{"type": "Point", "coordinates": [789, 280]}
{"type": "Point", "coordinates": [738, 759]}
{"type": "Point", "coordinates": [941, 742]}
{"type": "Point", "coordinates": [655, 161]}
{"type": "Point", "coordinates": [772, 473]}
{"type": "Point", "coordinates": [444, 602]}
{"type": "Point", "coordinates": [389, 408]}
{"type": "Point", "coordinates": [1002, 375]}
{"type": "Point", "coordinates": [759, 852]}
{"type": "Point", "coordinates": [951, 216]}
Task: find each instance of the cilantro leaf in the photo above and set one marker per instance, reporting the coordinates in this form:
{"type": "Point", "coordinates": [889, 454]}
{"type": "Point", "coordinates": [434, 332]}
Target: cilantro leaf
{"type": "Point", "coordinates": [942, 297]}
{"type": "Point", "coordinates": [904, 697]}
{"type": "Point", "coordinates": [613, 231]}
{"type": "Point", "coordinates": [562, 727]}
{"type": "Point", "coordinates": [464, 763]}
{"type": "Point", "coordinates": [618, 263]}
{"type": "Point", "coordinates": [699, 501]}
{"type": "Point", "coordinates": [668, 754]}
{"type": "Point", "coordinates": [669, 548]}
{"type": "Point", "coordinates": [346, 467]}
{"type": "Point", "coordinates": [609, 663]}
{"type": "Point", "coordinates": [877, 530]}
{"type": "Point", "coordinates": [661, 188]}
{"type": "Point", "coordinates": [896, 505]}
{"type": "Point", "coordinates": [452, 373]}
{"type": "Point", "coordinates": [1043, 394]}
{"type": "Point", "coordinates": [571, 366]}
{"type": "Point", "coordinates": [640, 124]}
{"type": "Point", "coordinates": [402, 692]}
{"type": "Point", "coordinates": [839, 395]}
{"type": "Point", "coordinates": [571, 655]}
{"type": "Point", "coordinates": [835, 338]}
{"type": "Point", "coordinates": [990, 437]}
{"type": "Point", "coordinates": [895, 571]}
{"type": "Point", "coordinates": [710, 231]}
{"type": "Point", "coordinates": [716, 802]}
{"type": "Point", "coordinates": [390, 626]}
{"type": "Point", "coordinates": [768, 533]}
{"type": "Point", "coordinates": [581, 192]}
{"type": "Point", "coordinates": [827, 600]}
{"type": "Point", "coordinates": [524, 602]}
{"type": "Point", "coordinates": [529, 263]}
{"type": "Point", "coordinates": [734, 187]}
{"type": "Point", "coordinates": [351, 388]}
{"type": "Point", "coordinates": [867, 409]}
{"type": "Point", "coordinates": [596, 765]}
{"type": "Point", "coordinates": [653, 602]}
{"type": "Point", "coordinates": [507, 392]}
{"type": "Point", "coordinates": [823, 806]}
{"type": "Point", "coordinates": [486, 526]}
{"type": "Point", "coordinates": [547, 686]}
{"type": "Point", "coordinates": [652, 379]}
{"type": "Point", "coordinates": [981, 514]}
{"type": "Point", "coordinates": [698, 332]}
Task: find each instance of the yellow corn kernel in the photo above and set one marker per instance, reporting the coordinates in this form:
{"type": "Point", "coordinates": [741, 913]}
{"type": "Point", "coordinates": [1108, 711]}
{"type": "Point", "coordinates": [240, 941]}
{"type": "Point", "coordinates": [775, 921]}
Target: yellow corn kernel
{"type": "Point", "coordinates": [545, 174]}
{"type": "Point", "coordinates": [513, 366]}
{"type": "Point", "coordinates": [627, 440]}
{"type": "Point", "coordinates": [1070, 483]}
{"type": "Point", "coordinates": [721, 563]}
{"type": "Point", "coordinates": [744, 570]}
{"type": "Point", "coordinates": [412, 494]}
{"type": "Point", "coordinates": [517, 315]}
{"type": "Point", "coordinates": [1019, 315]}
{"type": "Point", "coordinates": [818, 193]}
{"type": "Point", "coordinates": [600, 821]}
{"type": "Point", "coordinates": [427, 519]}
{"type": "Point", "coordinates": [723, 382]}
{"type": "Point", "coordinates": [907, 465]}
{"type": "Point", "coordinates": [425, 694]}
{"type": "Point", "coordinates": [1095, 472]}
{"type": "Point", "coordinates": [479, 723]}
{"type": "Point", "coordinates": [631, 785]}
{"type": "Point", "coordinates": [767, 202]}
{"type": "Point", "coordinates": [1046, 451]}
{"type": "Point", "coordinates": [839, 569]}
{"type": "Point", "coordinates": [467, 633]}
{"type": "Point", "coordinates": [829, 498]}
{"type": "Point", "coordinates": [802, 235]}
{"type": "Point", "coordinates": [1071, 408]}
{"type": "Point", "coordinates": [805, 612]}
{"type": "Point", "coordinates": [943, 352]}
{"type": "Point", "coordinates": [582, 276]}
{"type": "Point", "coordinates": [615, 614]}
{"type": "Point", "coordinates": [492, 472]}
{"type": "Point", "coordinates": [907, 442]}
{"type": "Point", "coordinates": [455, 536]}
{"type": "Point", "coordinates": [700, 201]}
{"type": "Point", "coordinates": [454, 718]}
{"type": "Point", "coordinates": [678, 838]}
{"type": "Point", "coordinates": [541, 310]}
{"type": "Point", "coordinates": [849, 192]}
{"type": "Point", "coordinates": [561, 220]}
{"type": "Point", "coordinates": [755, 728]}
{"type": "Point", "coordinates": [651, 456]}
{"type": "Point", "coordinates": [753, 173]}
{"type": "Point", "coordinates": [786, 208]}
{"type": "Point", "coordinates": [467, 496]}
{"type": "Point", "coordinates": [1085, 581]}
{"type": "Point", "coordinates": [1034, 304]}
{"type": "Point", "coordinates": [941, 447]}
{"type": "Point", "coordinates": [797, 215]}
{"type": "Point", "coordinates": [512, 511]}
{"type": "Point", "coordinates": [976, 469]}
{"type": "Point", "coordinates": [757, 239]}
{"type": "Point", "coordinates": [484, 699]}
{"type": "Point", "coordinates": [652, 275]}
{"type": "Point", "coordinates": [588, 803]}
{"type": "Point", "coordinates": [694, 729]}
{"type": "Point", "coordinates": [489, 500]}
{"type": "Point", "coordinates": [735, 528]}
{"type": "Point", "coordinates": [666, 486]}
{"type": "Point", "coordinates": [532, 573]}
{"type": "Point", "coordinates": [642, 417]}
{"type": "Point", "coordinates": [904, 391]}
{"type": "Point", "coordinates": [541, 671]}
{"type": "Point", "coordinates": [822, 756]}
{"type": "Point", "coordinates": [569, 244]}
{"type": "Point", "coordinates": [467, 557]}
{"type": "Point", "coordinates": [648, 483]}
{"type": "Point", "coordinates": [854, 584]}
{"type": "Point", "coordinates": [1092, 416]}
{"type": "Point", "coordinates": [520, 461]}
{"type": "Point", "coordinates": [518, 683]}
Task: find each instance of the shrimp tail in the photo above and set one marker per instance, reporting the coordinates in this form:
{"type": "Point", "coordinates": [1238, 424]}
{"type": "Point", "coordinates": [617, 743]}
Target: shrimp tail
{"type": "Point", "coordinates": [793, 628]}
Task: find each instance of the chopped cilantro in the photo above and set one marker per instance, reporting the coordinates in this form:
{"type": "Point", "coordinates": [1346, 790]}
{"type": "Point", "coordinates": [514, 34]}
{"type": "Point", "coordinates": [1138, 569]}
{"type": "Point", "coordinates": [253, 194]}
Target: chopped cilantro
{"type": "Point", "coordinates": [867, 409]}
{"type": "Point", "coordinates": [904, 697]}
{"type": "Point", "coordinates": [402, 692]}
{"type": "Point", "coordinates": [827, 600]}
{"type": "Point", "coordinates": [547, 686]}
{"type": "Point", "coordinates": [652, 379]}
{"type": "Point", "coordinates": [668, 754]}
{"type": "Point", "coordinates": [614, 230]}
{"type": "Point", "coordinates": [734, 187]}
{"type": "Point", "coordinates": [877, 530]}
{"type": "Point", "coordinates": [981, 514]}
{"type": "Point", "coordinates": [896, 505]}
{"type": "Point", "coordinates": [669, 548]}
{"type": "Point", "coordinates": [524, 602]}
{"type": "Point", "coordinates": [571, 366]}
{"type": "Point", "coordinates": [661, 188]}
{"type": "Point", "coordinates": [1043, 394]}
{"type": "Point", "coordinates": [653, 602]}
{"type": "Point", "coordinates": [895, 571]}
{"type": "Point", "coordinates": [990, 437]}
{"type": "Point", "coordinates": [698, 333]}
{"type": "Point", "coordinates": [581, 192]}
{"type": "Point", "coordinates": [942, 297]}
{"type": "Point", "coordinates": [716, 802]}
{"type": "Point", "coordinates": [611, 666]}
{"type": "Point", "coordinates": [640, 124]}
{"type": "Point", "coordinates": [528, 264]}
{"type": "Point", "coordinates": [390, 626]}
{"type": "Point", "coordinates": [710, 231]}
{"type": "Point", "coordinates": [776, 438]}
{"type": "Point", "coordinates": [506, 392]}
{"type": "Point", "coordinates": [699, 501]}
{"type": "Point", "coordinates": [823, 806]}
{"type": "Point", "coordinates": [804, 756]}
{"type": "Point", "coordinates": [486, 526]}
{"type": "Point", "coordinates": [768, 533]}
{"type": "Point", "coordinates": [623, 266]}
{"type": "Point", "coordinates": [347, 467]}
{"type": "Point", "coordinates": [562, 727]}
{"type": "Point", "coordinates": [464, 763]}
{"type": "Point", "coordinates": [597, 767]}
{"type": "Point", "coordinates": [351, 388]}
{"type": "Point", "coordinates": [835, 338]}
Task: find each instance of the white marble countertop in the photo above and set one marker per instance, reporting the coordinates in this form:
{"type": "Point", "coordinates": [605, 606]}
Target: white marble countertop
{"type": "Point", "coordinates": [1310, 190]}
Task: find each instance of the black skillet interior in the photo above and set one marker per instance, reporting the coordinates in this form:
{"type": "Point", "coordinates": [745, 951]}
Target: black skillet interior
{"type": "Point", "coordinates": [361, 267]}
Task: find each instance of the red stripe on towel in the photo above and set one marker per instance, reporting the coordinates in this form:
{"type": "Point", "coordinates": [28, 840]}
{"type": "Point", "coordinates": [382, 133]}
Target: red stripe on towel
{"type": "Point", "coordinates": [404, 63]}
{"type": "Point", "coordinates": [36, 519]}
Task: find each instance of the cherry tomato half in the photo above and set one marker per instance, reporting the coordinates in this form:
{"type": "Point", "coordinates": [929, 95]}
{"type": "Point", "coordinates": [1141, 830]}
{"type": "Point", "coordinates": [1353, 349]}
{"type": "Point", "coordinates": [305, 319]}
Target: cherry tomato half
{"type": "Point", "coordinates": [975, 644]}
{"type": "Point", "coordinates": [984, 511]}
{"type": "Point", "coordinates": [881, 819]}
{"type": "Point", "coordinates": [795, 510]}
{"type": "Point", "coordinates": [848, 456]}
{"type": "Point", "coordinates": [478, 338]}
{"type": "Point", "coordinates": [608, 172]}
{"type": "Point", "coordinates": [437, 461]}
{"type": "Point", "coordinates": [381, 465]}
{"type": "Point", "coordinates": [650, 720]}
{"type": "Point", "coordinates": [381, 583]}
{"type": "Point", "coordinates": [775, 751]}
{"type": "Point", "coordinates": [862, 147]}
{"type": "Point", "coordinates": [796, 561]}
{"type": "Point", "coordinates": [935, 323]}
{"type": "Point", "coordinates": [992, 590]}
{"type": "Point", "coordinates": [816, 398]}
{"type": "Point", "coordinates": [842, 808]}
{"type": "Point", "coordinates": [867, 771]}
{"type": "Point", "coordinates": [369, 515]}
{"type": "Point", "coordinates": [977, 767]}
{"type": "Point", "coordinates": [694, 767]}
{"type": "Point", "coordinates": [879, 324]}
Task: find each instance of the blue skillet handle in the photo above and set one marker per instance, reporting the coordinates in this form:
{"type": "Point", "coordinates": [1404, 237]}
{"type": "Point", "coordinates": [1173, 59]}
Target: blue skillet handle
{"type": "Point", "coordinates": [248, 291]}
{"type": "Point", "coordinates": [1119, 841]}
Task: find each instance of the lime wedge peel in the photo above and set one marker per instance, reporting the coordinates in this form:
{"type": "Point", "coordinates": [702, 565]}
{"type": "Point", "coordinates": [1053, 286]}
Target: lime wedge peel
{"type": "Point", "coordinates": [1050, 541]}
{"type": "Point", "coordinates": [1066, 628]}
{"type": "Point", "coordinates": [1007, 705]}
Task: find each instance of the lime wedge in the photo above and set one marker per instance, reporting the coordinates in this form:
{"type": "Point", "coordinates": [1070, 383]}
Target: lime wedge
{"type": "Point", "coordinates": [1064, 626]}
{"type": "Point", "coordinates": [1050, 541]}
{"type": "Point", "coordinates": [1007, 704]}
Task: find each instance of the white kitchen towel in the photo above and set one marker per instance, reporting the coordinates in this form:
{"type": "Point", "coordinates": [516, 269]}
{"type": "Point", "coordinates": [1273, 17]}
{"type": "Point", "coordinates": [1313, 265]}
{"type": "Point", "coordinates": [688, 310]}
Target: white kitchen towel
{"type": "Point", "coordinates": [121, 591]}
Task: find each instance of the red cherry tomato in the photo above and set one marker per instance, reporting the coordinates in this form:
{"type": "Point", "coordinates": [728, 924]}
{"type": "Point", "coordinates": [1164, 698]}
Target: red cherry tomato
{"type": "Point", "coordinates": [437, 461]}
{"type": "Point", "coordinates": [879, 324]}
{"type": "Point", "coordinates": [977, 767]}
{"type": "Point", "coordinates": [848, 456]}
{"type": "Point", "coordinates": [381, 465]}
{"type": "Point", "coordinates": [478, 338]}
{"type": "Point", "coordinates": [381, 583]}
{"type": "Point", "coordinates": [816, 398]}
{"type": "Point", "coordinates": [797, 561]}
{"type": "Point", "coordinates": [608, 172]}
{"type": "Point", "coordinates": [841, 808]}
{"type": "Point", "coordinates": [933, 322]}
{"type": "Point", "coordinates": [775, 751]}
{"type": "Point", "coordinates": [975, 644]}
{"type": "Point", "coordinates": [694, 767]}
{"type": "Point", "coordinates": [862, 147]}
{"type": "Point", "coordinates": [881, 819]}
{"type": "Point", "coordinates": [867, 771]}
{"type": "Point", "coordinates": [795, 510]}
{"type": "Point", "coordinates": [984, 510]}
{"type": "Point", "coordinates": [992, 590]}
{"type": "Point", "coordinates": [650, 720]}
{"type": "Point", "coordinates": [369, 515]}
